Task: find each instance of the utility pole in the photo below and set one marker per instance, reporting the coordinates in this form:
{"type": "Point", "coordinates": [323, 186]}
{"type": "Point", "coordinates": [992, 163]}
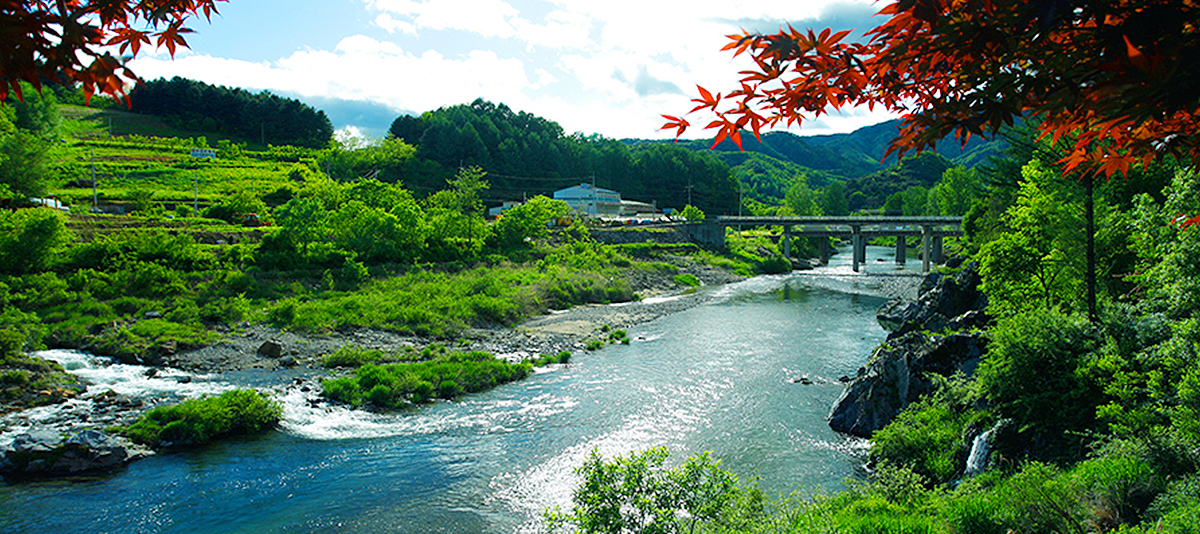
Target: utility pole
{"type": "Point", "coordinates": [689, 191]}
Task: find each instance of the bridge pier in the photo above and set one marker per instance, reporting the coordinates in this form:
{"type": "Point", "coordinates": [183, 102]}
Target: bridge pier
{"type": "Point", "coordinates": [901, 252]}
{"type": "Point", "coordinates": [856, 240]}
{"type": "Point", "coordinates": [707, 233]}
{"type": "Point", "coordinates": [823, 250]}
{"type": "Point", "coordinates": [926, 253]}
{"type": "Point", "coordinates": [787, 243]}
{"type": "Point", "coordinates": [938, 256]}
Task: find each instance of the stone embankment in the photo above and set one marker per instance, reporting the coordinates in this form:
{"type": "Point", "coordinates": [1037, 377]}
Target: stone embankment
{"type": "Point", "coordinates": [939, 333]}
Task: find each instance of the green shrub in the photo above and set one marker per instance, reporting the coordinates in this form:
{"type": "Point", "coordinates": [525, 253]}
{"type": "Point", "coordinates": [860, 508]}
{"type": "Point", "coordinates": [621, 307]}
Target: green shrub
{"type": "Point", "coordinates": [394, 385]}
{"type": "Point", "coordinates": [1035, 361]}
{"type": "Point", "coordinates": [547, 359]}
{"type": "Point", "coordinates": [1035, 499]}
{"type": "Point", "coordinates": [448, 389]}
{"type": "Point", "coordinates": [638, 494]}
{"type": "Point", "coordinates": [687, 279]}
{"type": "Point", "coordinates": [775, 265]}
{"type": "Point", "coordinates": [594, 344]}
{"type": "Point", "coordinates": [926, 437]}
{"type": "Point", "coordinates": [198, 421]}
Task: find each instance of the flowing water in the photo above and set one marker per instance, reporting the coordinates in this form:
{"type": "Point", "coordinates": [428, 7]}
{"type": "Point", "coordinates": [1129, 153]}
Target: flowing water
{"type": "Point", "coordinates": [722, 377]}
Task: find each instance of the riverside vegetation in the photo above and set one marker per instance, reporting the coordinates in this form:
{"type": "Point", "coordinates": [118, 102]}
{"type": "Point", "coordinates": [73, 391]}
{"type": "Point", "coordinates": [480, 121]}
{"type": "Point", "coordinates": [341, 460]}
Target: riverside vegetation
{"type": "Point", "coordinates": [1095, 423]}
{"type": "Point", "coordinates": [336, 255]}
{"type": "Point", "coordinates": [1092, 426]}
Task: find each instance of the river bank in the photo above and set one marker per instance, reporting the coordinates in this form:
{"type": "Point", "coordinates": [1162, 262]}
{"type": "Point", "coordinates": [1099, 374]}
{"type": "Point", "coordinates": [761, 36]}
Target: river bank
{"type": "Point", "coordinates": [291, 363]}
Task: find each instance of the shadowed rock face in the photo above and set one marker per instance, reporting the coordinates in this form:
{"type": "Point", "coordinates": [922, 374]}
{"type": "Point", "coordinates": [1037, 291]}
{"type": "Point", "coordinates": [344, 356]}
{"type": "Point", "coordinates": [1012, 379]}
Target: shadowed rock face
{"type": "Point", "coordinates": [898, 372]}
{"type": "Point", "coordinates": [945, 301]}
{"type": "Point", "coordinates": [897, 376]}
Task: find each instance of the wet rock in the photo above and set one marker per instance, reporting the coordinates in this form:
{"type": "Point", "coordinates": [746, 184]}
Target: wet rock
{"type": "Point", "coordinates": [47, 453]}
{"type": "Point", "coordinates": [899, 374]}
{"type": "Point", "coordinates": [287, 361]}
{"type": "Point", "coordinates": [270, 349]}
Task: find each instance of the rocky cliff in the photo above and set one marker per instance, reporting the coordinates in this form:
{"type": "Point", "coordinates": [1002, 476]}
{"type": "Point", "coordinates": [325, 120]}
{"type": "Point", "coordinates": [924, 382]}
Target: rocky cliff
{"type": "Point", "coordinates": [938, 333]}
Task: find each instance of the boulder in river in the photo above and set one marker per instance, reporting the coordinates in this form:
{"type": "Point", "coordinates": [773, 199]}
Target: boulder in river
{"type": "Point", "coordinates": [270, 349]}
{"type": "Point", "coordinates": [47, 453]}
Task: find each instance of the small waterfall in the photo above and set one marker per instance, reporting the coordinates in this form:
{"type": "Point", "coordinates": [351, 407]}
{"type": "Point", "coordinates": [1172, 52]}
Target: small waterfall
{"type": "Point", "coordinates": [977, 460]}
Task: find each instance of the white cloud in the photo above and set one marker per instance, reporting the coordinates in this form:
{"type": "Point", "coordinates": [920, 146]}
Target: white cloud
{"type": "Point", "coordinates": [489, 18]}
{"type": "Point", "coordinates": [611, 67]}
{"type": "Point", "coordinates": [393, 25]}
{"type": "Point", "coordinates": [363, 68]}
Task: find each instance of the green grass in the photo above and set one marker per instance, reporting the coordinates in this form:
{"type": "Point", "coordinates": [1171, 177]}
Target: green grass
{"type": "Point", "coordinates": [446, 375]}
{"type": "Point", "coordinates": [199, 421]}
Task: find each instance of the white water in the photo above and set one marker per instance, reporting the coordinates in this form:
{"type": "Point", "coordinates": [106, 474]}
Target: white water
{"type": "Point", "coordinates": [718, 377]}
{"type": "Point", "coordinates": [978, 458]}
{"type": "Point", "coordinates": [101, 375]}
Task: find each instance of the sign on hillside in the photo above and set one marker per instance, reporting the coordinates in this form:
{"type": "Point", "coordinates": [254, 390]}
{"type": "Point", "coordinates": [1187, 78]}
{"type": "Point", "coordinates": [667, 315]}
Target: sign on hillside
{"type": "Point", "coordinates": [204, 153]}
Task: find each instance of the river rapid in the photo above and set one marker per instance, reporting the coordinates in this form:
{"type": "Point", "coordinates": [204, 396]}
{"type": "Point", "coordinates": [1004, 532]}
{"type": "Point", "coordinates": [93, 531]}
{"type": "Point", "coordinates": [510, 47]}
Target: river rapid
{"type": "Point", "coordinates": [726, 376]}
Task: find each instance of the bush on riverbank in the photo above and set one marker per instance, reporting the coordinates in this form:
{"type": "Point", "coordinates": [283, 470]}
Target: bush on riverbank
{"type": "Point", "coordinates": [196, 422]}
{"type": "Point", "coordinates": [396, 385]}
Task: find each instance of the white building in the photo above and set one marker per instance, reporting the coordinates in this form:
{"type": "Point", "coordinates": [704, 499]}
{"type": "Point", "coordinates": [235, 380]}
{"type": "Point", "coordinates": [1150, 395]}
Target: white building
{"type": "Point", "coordinates": [590, 200]}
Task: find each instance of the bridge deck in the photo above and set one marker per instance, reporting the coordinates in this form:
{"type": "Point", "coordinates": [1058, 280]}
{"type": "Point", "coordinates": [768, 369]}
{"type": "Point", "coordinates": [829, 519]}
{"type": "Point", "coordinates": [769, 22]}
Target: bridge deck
{"type": "Point", "coordinates": [859, 229]}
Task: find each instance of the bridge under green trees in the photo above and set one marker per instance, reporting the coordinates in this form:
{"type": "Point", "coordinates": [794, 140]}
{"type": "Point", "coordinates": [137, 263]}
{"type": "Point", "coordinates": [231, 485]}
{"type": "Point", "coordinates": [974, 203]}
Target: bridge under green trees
{"type": "Point", "coordinates": [858, 230]}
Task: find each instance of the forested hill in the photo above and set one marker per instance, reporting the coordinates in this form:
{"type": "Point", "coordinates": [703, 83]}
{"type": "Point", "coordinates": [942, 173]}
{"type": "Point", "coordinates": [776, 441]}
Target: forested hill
{"type": "Point", "coordinates": [525, 155]}
{"type": "Point", "coordinates": [842, 156]}
{"type": "Point", "coordinates": [262, 117]}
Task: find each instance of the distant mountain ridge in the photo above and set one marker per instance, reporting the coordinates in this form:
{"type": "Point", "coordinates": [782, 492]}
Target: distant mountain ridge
{"type": "Point", "coordinates": [844, 156]}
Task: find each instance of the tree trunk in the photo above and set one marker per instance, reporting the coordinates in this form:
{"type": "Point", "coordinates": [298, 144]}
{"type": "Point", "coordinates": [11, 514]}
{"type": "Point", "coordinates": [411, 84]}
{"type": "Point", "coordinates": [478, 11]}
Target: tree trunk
{"type": "Point", "coordinates": [1090, 216]}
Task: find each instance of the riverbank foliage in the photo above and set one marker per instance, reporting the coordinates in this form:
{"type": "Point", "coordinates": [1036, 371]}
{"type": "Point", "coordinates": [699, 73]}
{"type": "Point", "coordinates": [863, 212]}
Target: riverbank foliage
{"type": "Point", "coordinates": [334, 254]}
{"type": "Point", "coordinates": [1089, 425]}
{"type": "Point", "coordinates": [196, 422]}
{"type": "Point", "coordinates": [445, 375]}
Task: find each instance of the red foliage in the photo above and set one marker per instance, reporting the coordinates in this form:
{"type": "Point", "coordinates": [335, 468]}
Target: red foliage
{"type": "Point", "coordinates": [1119, 78]}
{"type": "Point", "coordinates": [63, 40]}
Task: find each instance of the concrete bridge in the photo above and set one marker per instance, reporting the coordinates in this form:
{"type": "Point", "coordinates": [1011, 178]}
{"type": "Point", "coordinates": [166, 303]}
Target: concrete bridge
{"type": "Point", "coordinates": [859, 230]}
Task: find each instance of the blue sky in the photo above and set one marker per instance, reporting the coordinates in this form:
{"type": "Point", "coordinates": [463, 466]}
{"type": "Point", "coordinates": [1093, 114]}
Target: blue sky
{"type": "Point", "coordinates": [594, 66]}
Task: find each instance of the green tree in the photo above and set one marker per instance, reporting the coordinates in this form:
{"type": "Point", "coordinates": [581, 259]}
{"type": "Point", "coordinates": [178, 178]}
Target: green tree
{"type": "Point", "coordinates": [801, 199]}
{"type": "Point", "coordinates": [637, 494]}
{"type": "Point", "coordinates": [22, 161]}
{"type": "Point", "coordinates": [833, 200]}
{"type": "Point", "coordinates": [528, 220]}
{"type": "Point", "coordinates": [1039, 262]}
{"type": "Point", "coordinates": [37, 113]}
{"type": "Point", "coordinates": [457, 227]}
{"type": "Point", "coordinates": [29, 239]}
{"type": "Point", "coordinates": [302, 222]}
{"type": "Point", "coordinates": [957, 190]}
{"type": "Point", "coordinates": [692, 213]}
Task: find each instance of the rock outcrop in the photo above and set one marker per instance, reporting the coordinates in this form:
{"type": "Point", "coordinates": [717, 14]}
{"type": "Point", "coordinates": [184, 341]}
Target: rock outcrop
{"type": "Point", "coordinates": [48, 453]}
{"type": "Point", "coordinates": [945, 301]}
{"type": "Point", "coordinates": [898, 373]}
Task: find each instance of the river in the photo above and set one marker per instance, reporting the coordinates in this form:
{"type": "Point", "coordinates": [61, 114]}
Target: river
{"type": "Point", "coordinates": [721, 377]}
